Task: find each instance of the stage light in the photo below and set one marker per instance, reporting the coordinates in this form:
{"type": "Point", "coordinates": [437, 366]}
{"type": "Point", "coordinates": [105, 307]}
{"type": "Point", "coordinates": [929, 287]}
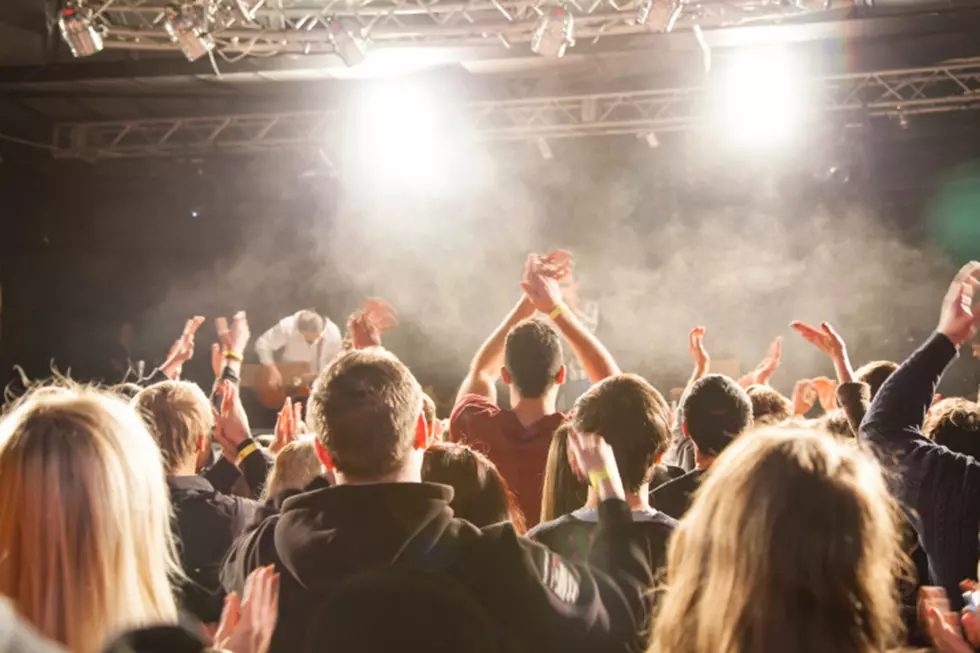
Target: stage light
{"type": "Point", "coordinates": [187, 32]}
{"type": "Point", "coordinates": [346, 41]}
{"type": "Point", "coordinates": [763, 98]}
{"type": "Point", "coordinates": [544, 149]}
{"type": "Point", "coordinates": [82, 38]}
{"type": "Point", "coordinates": [660, 14]}
{"type": "Point", "coordinates": [553, 33]}
{"type": "Point", "coordinates": [400, 136]}
{"type": "Point", "coordinates": [651, 139]}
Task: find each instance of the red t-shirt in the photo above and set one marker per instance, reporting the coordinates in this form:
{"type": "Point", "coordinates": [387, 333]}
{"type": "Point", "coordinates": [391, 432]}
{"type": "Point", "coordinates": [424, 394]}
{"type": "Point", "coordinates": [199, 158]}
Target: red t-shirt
{"type": "Point", "coordinates": [519, 453]}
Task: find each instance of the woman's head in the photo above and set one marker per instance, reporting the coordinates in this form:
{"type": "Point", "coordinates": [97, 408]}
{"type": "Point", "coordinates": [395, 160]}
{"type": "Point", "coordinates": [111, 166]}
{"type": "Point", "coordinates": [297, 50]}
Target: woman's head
{"type": "Point", "coordinates": [792, 544]}
{"type": "Point", "coordinates": [481, 495]}
{"type": "Point", "coordinates": [563, 491]}
{"type": "Point", "coordinates": [295, 467]}
{"type": "Point", "coordinates": [85, 544]}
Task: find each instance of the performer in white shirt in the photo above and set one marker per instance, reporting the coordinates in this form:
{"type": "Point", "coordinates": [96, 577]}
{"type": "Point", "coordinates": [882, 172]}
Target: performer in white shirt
{"type": "Point", "coordinates": [305, 337]}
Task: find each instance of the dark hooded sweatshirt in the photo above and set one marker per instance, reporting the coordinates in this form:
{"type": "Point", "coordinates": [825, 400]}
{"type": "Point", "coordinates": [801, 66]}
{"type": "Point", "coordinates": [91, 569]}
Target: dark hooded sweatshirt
{"type": "Point", "coordinates": [537, 599]}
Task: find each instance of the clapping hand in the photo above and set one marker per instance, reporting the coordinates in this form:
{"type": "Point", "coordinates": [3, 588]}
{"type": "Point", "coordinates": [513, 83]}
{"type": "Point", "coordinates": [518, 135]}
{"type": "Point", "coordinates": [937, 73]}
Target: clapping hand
{"type": "Point", "coordinates": [182, 350]}
{"type": "Point", "coordinates": [826, 392]}
{"type": "Point", "coordinates": [827, 340]}
{"type": "Point", "coordinates": [700, 355]}
{"type": "Point", "coordinates": [804, 397]}
{"type": "Point", "coordinates": [231, 424]}
{"type": "Point", "coordinates": [762, 373]}
{"type": "Point", "coordinates": [247, 624]}
{"type": "Point", "coordinates": [367, 324]}
{"type": "Point", "coordinates": [946, 629]}
{"type": "Point", "coordinates": [287, 425]}
{"type": "Point", "coordinates": [540, 284]}
{"type": "Point", "coordinates": [232, 340]}
{"type": "Point", "coordinates": [557, 264]}
{"type": "Point", "coordinates": [956, 319]}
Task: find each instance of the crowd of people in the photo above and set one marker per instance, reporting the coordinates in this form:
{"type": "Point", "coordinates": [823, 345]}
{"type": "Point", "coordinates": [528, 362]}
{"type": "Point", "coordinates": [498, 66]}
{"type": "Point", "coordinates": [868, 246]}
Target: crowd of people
{"type": "Point", "coordinates": [150, 518]}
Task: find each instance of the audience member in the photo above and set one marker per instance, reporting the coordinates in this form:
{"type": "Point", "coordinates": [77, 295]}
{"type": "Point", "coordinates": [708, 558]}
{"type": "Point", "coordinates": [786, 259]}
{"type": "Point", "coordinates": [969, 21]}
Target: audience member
{"type": "Point", "coordinates": [526, 353]}
{"type": "Point", "coordinates": [629, 414]}
{"type": "Point", "coordinates": [366, 411]}
{"type": "Point", "coordinates": [955, 424]}
{"type": "Point", "coordinates": [769, 408]}
{"type": "Point", "coordinates": [480, 493]}
{"type": "Point", "coordinates": [715, 411]}
{"type": "Point", "coordinates": [791, 545]}
{"type": "Point", "coordinates": [563, 490]}
{"type": "Point", "coordinates": [295, 467]}
{"type": "Point", "coordinates": [86, 550]}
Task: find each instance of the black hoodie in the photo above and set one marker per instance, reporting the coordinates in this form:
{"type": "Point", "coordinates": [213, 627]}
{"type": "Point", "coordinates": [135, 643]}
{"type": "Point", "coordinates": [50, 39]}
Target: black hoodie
{"type": "Point", "coordinates": [537, 599]}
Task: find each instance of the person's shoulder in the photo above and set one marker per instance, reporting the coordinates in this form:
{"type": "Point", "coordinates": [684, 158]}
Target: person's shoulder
{"type": "Point", "coordinates": [471, 407]}
{"type": "Point", "coordinates": [544, 530]}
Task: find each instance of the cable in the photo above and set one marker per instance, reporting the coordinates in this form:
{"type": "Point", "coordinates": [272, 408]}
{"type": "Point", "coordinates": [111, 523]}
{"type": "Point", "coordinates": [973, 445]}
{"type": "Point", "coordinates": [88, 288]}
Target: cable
{"type": "Point", "coordinates": [23, 141]}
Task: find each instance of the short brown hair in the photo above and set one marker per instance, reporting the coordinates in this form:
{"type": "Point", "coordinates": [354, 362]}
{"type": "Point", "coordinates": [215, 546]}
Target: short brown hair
{"type": "Point", "coordinates": [955, 423]}
{"type": "Point", "coordinates": [176, 414]}
{"type": "Point", "coordinates": [633, 417]}
{"type": "Point", "coordinates": [364, 409]}
{"type": "Point", "coordinates": [532, 356]}
{"type": "Point", "coordinates": [768, 406]}
{"type": "Point", "coordinates": [875, 374]}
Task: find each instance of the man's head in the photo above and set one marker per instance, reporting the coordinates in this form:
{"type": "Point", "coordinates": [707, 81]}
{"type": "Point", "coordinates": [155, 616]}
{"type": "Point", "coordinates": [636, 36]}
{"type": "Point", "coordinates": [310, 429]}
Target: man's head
{"type": "Point", "coordinates": [533, 359]}
{"type": "Point", "coordinates": [875, 374]}
{"type": "Point", "coordinates": [633, 417]}
{"type": "Point", "coordinates": [310, 324]}
{"type": "Point", "coordinates": [955, 423]}
{"type": "Point", "coordinates": [768, 406]}
{"type": "Point", "coordinates": [178, 416]}
{"type": "Point", "coordinates": [366, 412]}
{"type": "Point", "coordinates": [715, 411]}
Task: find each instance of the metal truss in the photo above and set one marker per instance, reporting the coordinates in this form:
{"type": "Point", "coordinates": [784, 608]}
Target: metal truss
{"type": "Point", "coordinates": [269, 27]}
{"type": "Point", "coordinates": [895, 93]}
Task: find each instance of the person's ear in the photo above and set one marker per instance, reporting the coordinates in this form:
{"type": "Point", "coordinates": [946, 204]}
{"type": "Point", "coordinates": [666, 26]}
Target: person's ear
{"type": "Point", "coordinates": [660, 459]}
{"type": "Point", "coordinates": [505, 376]}
{"type": "Point", "coordinates": [560, 377]}
{"type": "Point", "coordinates": [684, 428]}
{"type": "Point", "coordinates": [202, 442]}
{"type": "Point", "coordinates": [323, 455]}
{"type": "Point", "coordinates": [421, 433]}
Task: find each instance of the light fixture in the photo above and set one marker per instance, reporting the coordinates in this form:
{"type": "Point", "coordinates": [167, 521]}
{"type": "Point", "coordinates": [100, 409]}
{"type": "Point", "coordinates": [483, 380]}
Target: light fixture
{"type": "Point", "coordinates": [82, 38]}
{"type": "Point", "coordinates": [660, 14]}
{"type": "Point", "coordinates": [346, 40]}
{"type": "Point", "coordinates": [545, 150]}
{"type": "Point", "coordinates": [187, 32]}
{"type": "Point", "coordinates": [553, 33]}
{"type": "Point", "coordinates": [763, 97]}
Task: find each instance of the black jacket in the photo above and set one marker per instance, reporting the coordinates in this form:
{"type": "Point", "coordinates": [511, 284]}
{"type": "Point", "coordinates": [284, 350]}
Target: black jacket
{"type": "Point", "coordinates": [940, 488]}
{"type": "Point", "coordinates": [675, 497]}
{"type": "Point", "coordinates": [206, 523]}
{"type": "Point", "coordinates": [537, 599]}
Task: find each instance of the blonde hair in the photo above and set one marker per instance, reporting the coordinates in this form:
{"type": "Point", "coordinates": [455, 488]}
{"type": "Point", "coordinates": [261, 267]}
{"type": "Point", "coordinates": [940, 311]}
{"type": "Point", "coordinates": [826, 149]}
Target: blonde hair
{"type": "Point", "coordinates": [176, 413]}
{"type": "Point", "coordinates": [86, 549]}
{"type": "Point", "coordinates": [792, 544]}
{"type": "Point", "coordinates": [294, 468]}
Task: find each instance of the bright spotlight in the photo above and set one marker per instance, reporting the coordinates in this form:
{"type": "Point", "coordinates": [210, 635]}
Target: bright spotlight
{"type": "Point", "coordinates": [82, 38]}
{"type": "Point", "coordinates": [763, 99]}
{"type": "Point", "coordinates": [187, 32]}
{"type": "Point", "coordinates": [553, 33]}
{"type": "Point", "coordinates": [401, 135]}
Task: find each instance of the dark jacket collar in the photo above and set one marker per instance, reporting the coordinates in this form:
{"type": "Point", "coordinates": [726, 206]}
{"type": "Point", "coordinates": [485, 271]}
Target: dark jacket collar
{"type": "Point", "coordinates": [189, 484]}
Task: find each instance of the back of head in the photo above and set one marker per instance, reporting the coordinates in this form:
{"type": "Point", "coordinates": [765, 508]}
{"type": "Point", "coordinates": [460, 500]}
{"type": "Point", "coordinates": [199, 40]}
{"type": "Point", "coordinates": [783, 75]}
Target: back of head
{"type": "Point", "coordinates": [85, 543]}
{"type": "Point", "coordinates": [955, 423]}
{"type": "Point", "coordinates": [875, 374]}
{"type": "Point", "coordinates": [633, 417]}
{"type": "Point", "coordinates": [364, 409]}
{"type": "Point", "coordinates": [294, 468]}
{"type": "Point", "coordinates": [769, 407]}
{"type": "Point", "coordinates": [177, 414]}
{"type": "Point", "coordinates": [481, 496]}
{"type": "Point", "coordinates": [563, 490]}
{"type": "Point", "coordinates": [532, 356]}
{"type": "Point", "coordinates": [716, 410]}
{"type": "Point", "coordinates": [308, 321]}
{"type": "Point", "coordinates": [792, 544]}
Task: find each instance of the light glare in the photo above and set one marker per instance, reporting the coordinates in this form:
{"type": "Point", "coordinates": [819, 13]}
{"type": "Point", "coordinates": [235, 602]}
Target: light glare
{"type": "Point", "coordinates": [763, 99]}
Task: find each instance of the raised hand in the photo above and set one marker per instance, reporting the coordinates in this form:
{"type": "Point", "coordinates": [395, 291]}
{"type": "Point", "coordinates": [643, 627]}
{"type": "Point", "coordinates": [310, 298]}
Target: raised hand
{"type": "Point", "coordinates": [236, 338]}
{"type": "Point", "coordinates": [804, 397]}
{"type": "Point", "coordinates": [700, 355]}
{"type": "Point", "coordinates": [558, 263]}
{"type": "Point", "coordinates": [247, 625]}
{"type": "Point", "coordinates": [540, 285]}
{"type": "Point", "coordinates": [182, 350]}
{"type": "Point", "coordinates": [827, 340]}
{"type": "Point", "coordinates": [956, 319]}
{"type": "Point", "coordinates": [368, 323]}
{"type": "Point", "coordinates": [767, 367]}
{"type": "Point", "coordinates": [593, 460]}
{"type": "Point", "coordinates": [231, 424]}
{"type": "Point", "coordinates": [287, 425]}
{"type": "Point", "coordinates": [826, 392]}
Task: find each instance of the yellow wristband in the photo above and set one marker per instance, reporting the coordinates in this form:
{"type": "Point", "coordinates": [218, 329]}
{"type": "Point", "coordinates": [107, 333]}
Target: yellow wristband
{"type": "Point", "coordinates": [244, 453]}
{"type": "Point", "coordinates": [234, 355]}
{"type": "Point", "coordinates": [558, 311]}
{"type": "Point", "coordinates": [597, 477]}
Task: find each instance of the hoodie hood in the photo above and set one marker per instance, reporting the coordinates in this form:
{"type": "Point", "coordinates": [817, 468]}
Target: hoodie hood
{"type": "Point", "coordinates": [327, 535]}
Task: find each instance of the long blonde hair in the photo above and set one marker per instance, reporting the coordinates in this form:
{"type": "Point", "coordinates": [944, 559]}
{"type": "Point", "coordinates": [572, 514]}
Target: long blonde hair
{"type": "Point", "coordinates": [86, 549]}
{"type": "Point", "coordinates": [792, 544]}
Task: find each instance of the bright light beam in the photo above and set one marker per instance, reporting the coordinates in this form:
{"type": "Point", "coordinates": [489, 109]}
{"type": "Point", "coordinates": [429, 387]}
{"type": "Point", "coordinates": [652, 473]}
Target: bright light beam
{"type": "Point", "coordinates": [401, 137]}
{"type": "Point", "coordinates": [763, 98]}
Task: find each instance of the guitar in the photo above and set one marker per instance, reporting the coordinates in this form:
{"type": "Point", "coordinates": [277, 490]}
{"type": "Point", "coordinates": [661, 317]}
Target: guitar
{"type": "Point", "coordinates": [297, 380]}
